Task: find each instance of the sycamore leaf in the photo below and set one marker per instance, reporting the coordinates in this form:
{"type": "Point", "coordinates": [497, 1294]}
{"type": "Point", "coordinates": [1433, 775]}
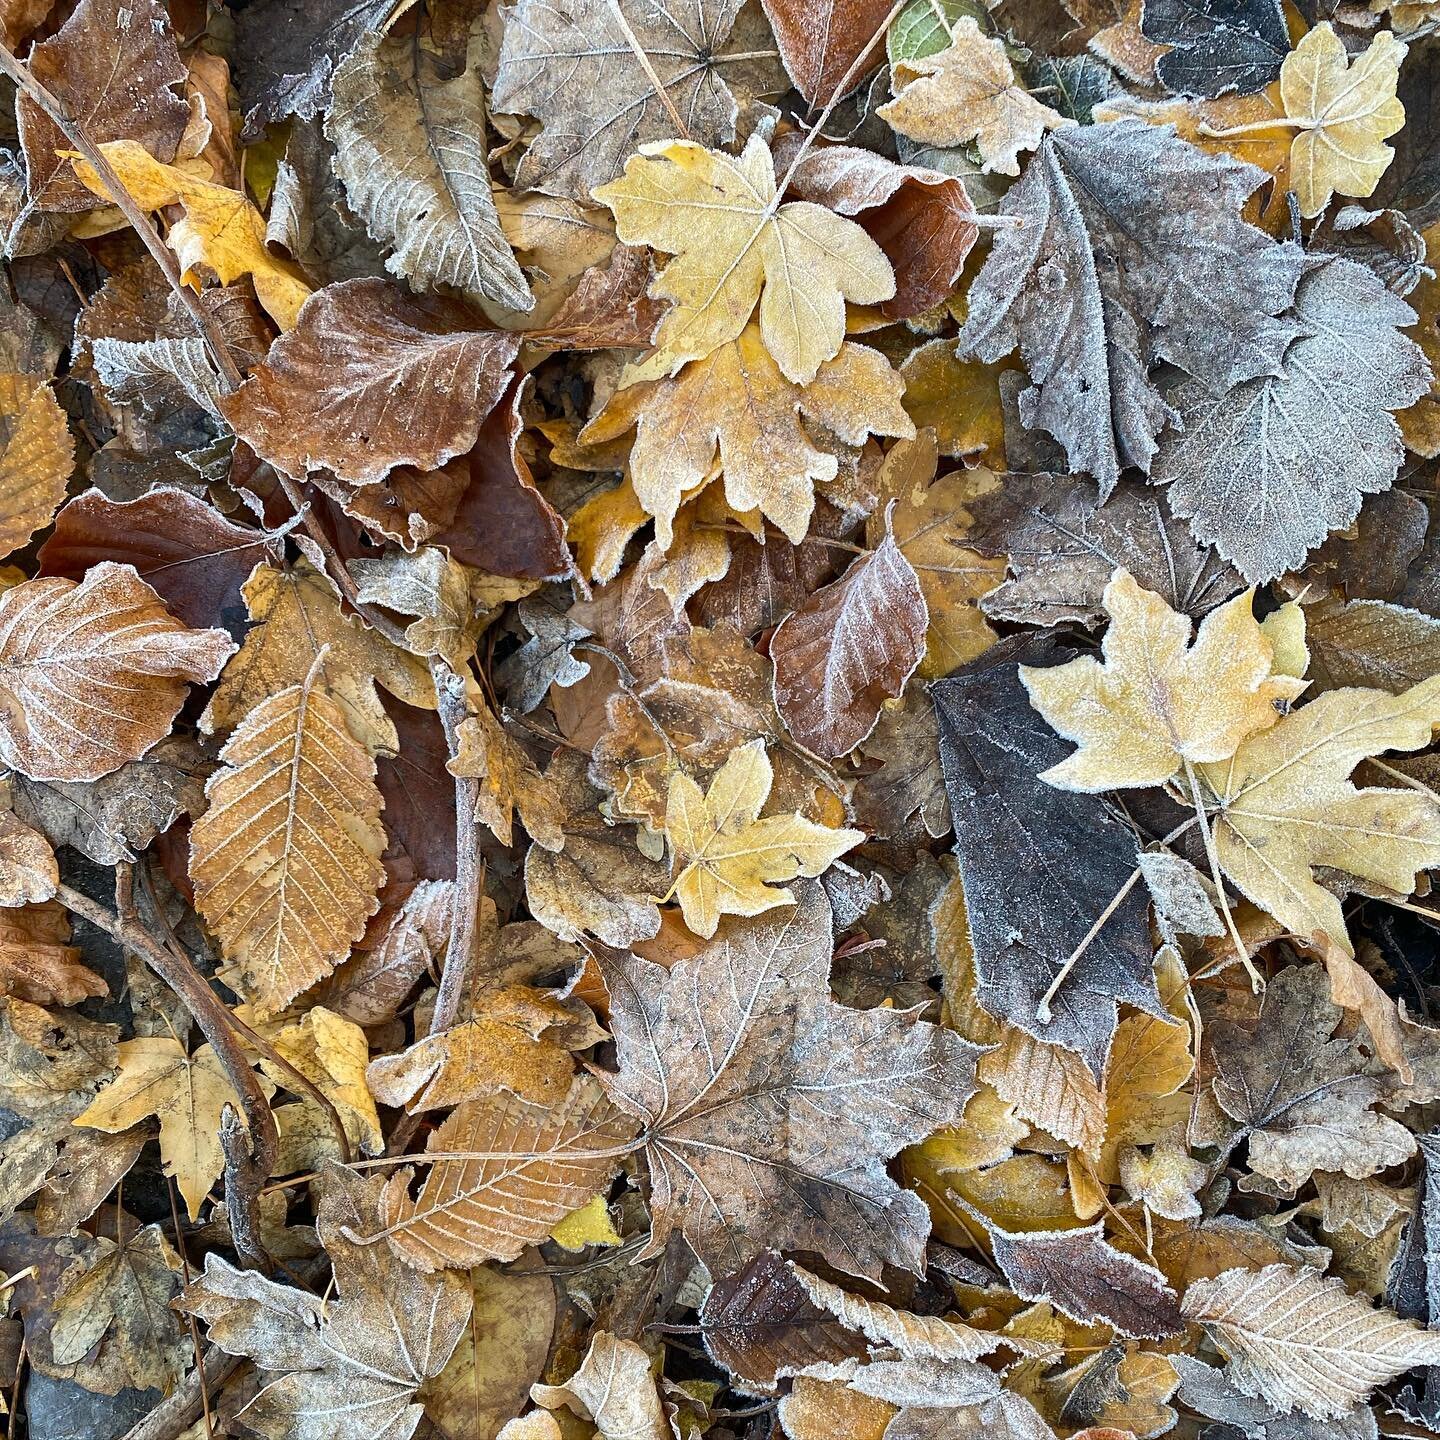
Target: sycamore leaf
{"type": "Point", "coordinates": [768, 1109]}
{"type": "Point", "coordinates": [511, 782]}
{"type": "Point", "coordinates": [1267, 469]}
{"type": "Point", "coordinates": [221, 228]}
{"type": "Point", "coordinates": [968, 92]}
{"type": "Point", "coordinates": [346, 1367]}
{"type": "Point", "coordinates": [330, 1051]}
{"type": "Point", "coordinates": [286, 858]}
{"type": "Point", "coordinates": [36, 458]}
{"type": "Point", "coordinates": [92, 675]}
{"type": "Point", "coordinates": [1158, 702]}
{"type": "Point", "coordinates": [1284, 805]}
{"type": "Point", "coordinates": [186, 1092]}
{"type": "Point", "coordinates": [298, 614]}
{"type": "Point", "coordinates": [1182, 279]}
{"type": "Point", "coordinates": [572, 66]}
{"type": "Point", "coordinates": [727, 856]}
{"type": "Point", "coordinates": [1345, 113]}
{"type": "Point", "coordinates": [614, 1389]}
{"type": "Point", "coordinates": [733, 245]}
{"type": "Point", "coordinates": [532, 1166]}
{"type": "Point", "coordinates": [847, 649]}
{"type": "Point", "coordinates": [735, 402]}
{"type": "Point", "coordinates": [1300, 1341]}
{"type": "Point", "coordinates": [417, 382]}
{"type": "Point", "coordinates": [410, 146]}
{"type": "Point", "coordinates": [122, 1296]}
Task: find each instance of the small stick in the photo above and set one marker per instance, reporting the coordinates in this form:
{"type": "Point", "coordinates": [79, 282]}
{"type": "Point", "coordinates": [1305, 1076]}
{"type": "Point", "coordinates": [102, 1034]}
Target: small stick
{"type": "Point", "coordinates": [661, 92]}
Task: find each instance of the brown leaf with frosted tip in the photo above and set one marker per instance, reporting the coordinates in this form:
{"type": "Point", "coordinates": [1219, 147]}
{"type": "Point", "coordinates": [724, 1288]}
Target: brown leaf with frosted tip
{"type": "Point", "coordinates": [325, 398]}
{"type": "Point", "coordinates": [820, 42]}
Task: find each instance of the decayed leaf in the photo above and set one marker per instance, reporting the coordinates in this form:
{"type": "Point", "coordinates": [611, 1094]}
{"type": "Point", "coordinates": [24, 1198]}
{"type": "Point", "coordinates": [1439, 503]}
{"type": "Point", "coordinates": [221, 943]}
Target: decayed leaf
{"type": "Point", "coordinates": [1301, 1099]}
{"type": "Point", "coordinates": [103, 39]}
{"type": "Point", "coordinates": [446, 598]}
{"type": "Point", "coordinates": [1284, 804]}
{"type": "Point", "coordinates": [1158, 703]}
{"type": "Point", "coordinates": [505, 1046]}
{"type": "Point", "coordinates": [123, 1297]}
{"type": "Point", "coordinates": [614, 1389]}
{"type": "Point", "coordinates": [535, 1164]}
{"type": "Point", "coordinates": [737, 404]}
{"type": "Point", "coordinates": [1302, 1342]}
{"type": "Point", "coordinates": [726, 857]}
{"type": "Point", "coordinates": [36, 458]}
{"type": "Point", "coordinates": [573, 67]}
{"type": "Point", "coordinates": [769, 1109]}
{"type": "Point", "coordinates": [286, 858]}
{"type": "Point", "coordinates": [1311, 438]}
{"type": "Point", "coordinates": [221, 228]}
{"type": "Point", "coordinates": [410, 146]}
{"type": "Point", "coordinates": [93, 675]}
{"type": "Point", "coordinates": [968, 92]}
{"type": "Point", "coordinates": [28, 872]}
{"type": "Point", "coordinates": [36, 961]}
{"type": "Point", "coordinates": [1345, 113]}
{"type": "Point", "coordinates": [298, 610]}
{"type": "Point", "coordinates": [1191, 283]}
{"type": "Point", "coordinates": [349, 1368]}
{"type": "Point", "coordinates": [1218, 45]}
{"type": "Point", "coordinates": [1063, 546]}
{"type": "Point", "coordinates": [187, 1093]}
{"type": "Point", "coordinates": [733, 245]}
{"type": "Point", "coordinates": [356, 348]}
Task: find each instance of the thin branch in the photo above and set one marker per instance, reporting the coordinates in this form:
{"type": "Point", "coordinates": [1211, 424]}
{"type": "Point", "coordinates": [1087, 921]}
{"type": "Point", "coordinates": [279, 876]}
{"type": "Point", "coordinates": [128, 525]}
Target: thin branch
{"type": "Point", "coordinates": [250, 1150]}
{"type": "Point", "coordinates": [662, 94]}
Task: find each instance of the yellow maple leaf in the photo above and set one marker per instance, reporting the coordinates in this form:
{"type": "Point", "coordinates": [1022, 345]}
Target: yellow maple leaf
{"type": "Point", "coordinates": [331, 1052]}
{"type": "Point", "coordinates": [1284, 805]}
{"type": "Point", "coordinates": [734, 243]}
{"type": "Point", "coordinates": [1159, 704]}
{"type": "Point", "coordinates": [736, 402]}
{"type": "Point", "coordinates": [186, 1092]}
{"type": "Point", "coordinates": [727, 855]}
{"type": "Point", "coordinates": [221, 228]}
{"type": "Point", "coordinates": [968, 92]}
{"type": "Point", "coordinates": [1344, 111]}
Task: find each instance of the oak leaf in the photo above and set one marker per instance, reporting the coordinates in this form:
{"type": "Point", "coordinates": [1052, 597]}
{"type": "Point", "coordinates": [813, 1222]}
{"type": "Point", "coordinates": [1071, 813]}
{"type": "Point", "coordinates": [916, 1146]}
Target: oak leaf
{"type": "Point", "coordinates": [847, 649]}
{"type": "Point", "coordinates": [410, 146]}
{"type": "Point", "coordinates": [347, 1368]}
{"type": "Point", "coordinates": [1159, 704]}
{"type": "Point", "coordinates": [221, 229]}
{"type": "Point", "coordinates": [533, 1165]}
{"type": "Point", "coordinates": [186, 1092]}
{"type": "Point", "coordinates": [93, 674]}
{"type": "Point", "coordinates": [768, 1109]}
{"type": "Point", "coordinates": [968, 92]}
{"type": "Point", "coordinates": [736, 404]}
{"type": "Point", "coordinates": [726, 857]}
{"type": "Point", "coordinates": [733, 245]}
{"type": "Point", "coordinates": [416, 383]}
{"type": "Point", "coordinates": [1345, 112]}
{"type": "Point", "coordinates": [1300, 1341]}
{"type": "Point", "coordinates": [36, 458]}
{"type": "Point", "coordinates": [285, 859]}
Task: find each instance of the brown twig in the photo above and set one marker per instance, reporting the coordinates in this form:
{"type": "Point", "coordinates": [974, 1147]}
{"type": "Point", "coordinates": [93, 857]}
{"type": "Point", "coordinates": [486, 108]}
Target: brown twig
{"type": "Point", "coordinates": [179, 1410]}
{"type": "Point", "coordinates": [250, 1147]}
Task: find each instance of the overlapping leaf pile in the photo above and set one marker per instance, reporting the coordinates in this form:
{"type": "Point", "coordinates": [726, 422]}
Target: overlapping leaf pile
{"type": "Point", "coordinates": [720, 720]}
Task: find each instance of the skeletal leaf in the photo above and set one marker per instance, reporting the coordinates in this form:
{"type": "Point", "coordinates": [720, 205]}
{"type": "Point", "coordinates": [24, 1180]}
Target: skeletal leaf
{"type": "Point", "coordinates": [1300, 1341]}
{"type": "Point", "coordinates": [736, 404]}
{"type": "Point", "coordinates": [733, 246]}
{"type": "Point", "coordinates": [410, 146]}
{"type": "Point", "coordinates": [1313, 438]}
{"type": "Point", "coordinates": [968, 92]}
{"type": "Point", "coordinates": [1159, 703]}
{"type": "Point", "coordinates": [1345, 113]}
{"type": "Point", "coordinates": [186, 1092]}
{"type": "Point", "coordinates": [92, 675]}
{"type": "Point", "coordinates": [726, 857]}
{"type": "Point", "coordinates": [285, 859]}
{"type": "Point", "coordinates": [804, 1099]}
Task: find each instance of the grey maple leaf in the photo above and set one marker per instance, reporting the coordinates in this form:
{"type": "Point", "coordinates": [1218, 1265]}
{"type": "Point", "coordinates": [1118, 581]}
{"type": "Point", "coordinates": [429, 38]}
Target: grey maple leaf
{"type": "Point", "coordinates": [1132, 251]}
{"type": "Point", "coordinates": [1265, 470]}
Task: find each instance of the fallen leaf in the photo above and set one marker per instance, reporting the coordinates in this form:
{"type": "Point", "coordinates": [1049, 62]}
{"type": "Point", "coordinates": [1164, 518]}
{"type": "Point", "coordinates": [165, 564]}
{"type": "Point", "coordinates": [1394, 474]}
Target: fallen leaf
{"type": "Point", "coordinates": [36, 458]}
{"type": "Point", "coordinates": [1217, 47]}
{"type": "Point", "coordinates": [613, 1388]}
{"type": "Point", "coordinates": [822, 44]}
{"type": "Point", "coordinates": [36, 961]}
